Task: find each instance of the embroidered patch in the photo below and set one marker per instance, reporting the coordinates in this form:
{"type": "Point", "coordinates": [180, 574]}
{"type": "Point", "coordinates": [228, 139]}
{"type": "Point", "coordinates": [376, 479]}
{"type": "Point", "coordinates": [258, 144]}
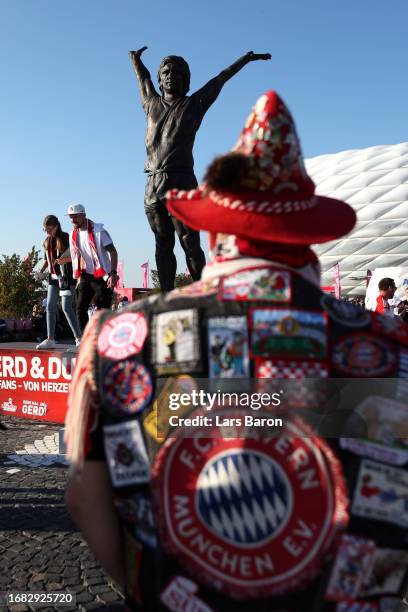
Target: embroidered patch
{"type": "Point", "coordinates": [303, 392]}
{"type": "Point", "coordinates": [257, 284]}
{"type": "Point", "coordinates": [137, 512]}
{"type": "Point", "coordinates": [363, 355]}
{"type": "Point", "coordinates": [249, 517]}
{"type": "Point", "coordinates": [180, 594]}
{"type": "Point", "coordinates": [127, 387]}
{"type": "Point", "coordinates": [150, 424]}
{"type": "Point", "coordinates": [122, 336]}
{"type": "Point", "coordinates": [392, 327]}
{"type": "Point", "coordinates": [156, 423]}
{"type": "Point", "coordinates": [198, 289]}
{"type": "Point", "coordinates": [345, 313]}
{"type": "Point", "coordinates": [350, 569]}
{"type": "Point", "coordinates": [387, 573]}
{"type": "Point", "coordinates": [357, 606]}
{"type": "Point", "coordinates": [387, 430]}
{"type": "Point", "coordinates": [126, 454]}
{"type": "Point", "coordinates": [401, 392]}
{"type": "Point", "coordinates": [288, 333]}
{"type": "Point", "coordinates": [266, 368]}
{"type": "Point", "coordinates": [392, 604]}
{"type": "Point", "coordinates": [403, 364]}
{"type": "Point", "coordinates": [176, 340]}
{"type": "Point", "coordinates": [228, 355]}
{"type": "Point", "coordinates": [381, 493]}
{"type": "Point", "coordinates": [386, 419]}
{"type": "Point", "coordinates": [378, 452]}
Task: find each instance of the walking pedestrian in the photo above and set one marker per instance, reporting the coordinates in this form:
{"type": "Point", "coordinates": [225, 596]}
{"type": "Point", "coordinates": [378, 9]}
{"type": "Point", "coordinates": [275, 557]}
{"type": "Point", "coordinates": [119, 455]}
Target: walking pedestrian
{"type": "Point", "coordinates": [94, 262]}
{"type": "Point", "coordinates": [60, 281]}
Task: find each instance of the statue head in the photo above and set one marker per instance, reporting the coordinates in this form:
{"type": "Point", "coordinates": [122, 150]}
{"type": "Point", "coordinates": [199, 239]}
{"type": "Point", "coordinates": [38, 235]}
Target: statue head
{"type": "Point", "coordinates": [182, 72]}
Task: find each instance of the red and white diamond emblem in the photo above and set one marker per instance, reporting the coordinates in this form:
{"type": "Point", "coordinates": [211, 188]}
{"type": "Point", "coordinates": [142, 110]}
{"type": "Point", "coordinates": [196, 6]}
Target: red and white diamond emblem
{"type": "Point", "coordinates": [250, 517]}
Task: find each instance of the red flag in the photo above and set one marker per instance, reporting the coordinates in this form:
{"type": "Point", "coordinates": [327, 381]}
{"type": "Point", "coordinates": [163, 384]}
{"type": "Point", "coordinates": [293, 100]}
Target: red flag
{"type": "Point", "coordinates": [145, 280]}
{"type": "Point", "coordinates": [120, 284]}
{"type": "Point", "coordinates": [337, 286]}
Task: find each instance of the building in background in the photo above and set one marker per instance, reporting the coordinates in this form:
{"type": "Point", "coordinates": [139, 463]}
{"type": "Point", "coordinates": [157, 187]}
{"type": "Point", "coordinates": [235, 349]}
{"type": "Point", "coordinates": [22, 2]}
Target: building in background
{"type": "Point", "coordinates": [375, 182]}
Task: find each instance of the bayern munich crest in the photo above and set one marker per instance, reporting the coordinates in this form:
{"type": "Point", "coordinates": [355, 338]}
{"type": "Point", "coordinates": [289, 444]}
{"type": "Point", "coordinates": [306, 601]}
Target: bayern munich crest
{"type": "Point", "coordinates": [127, 387]}
{"type": "Point", "coordinates": [122, 336]}
{"type": "Point", "coordinates": [249, 517]}
{"type": "Point", "coordinates": [253, 507]}
{"type": "Point", "coordinates": [362, 355]}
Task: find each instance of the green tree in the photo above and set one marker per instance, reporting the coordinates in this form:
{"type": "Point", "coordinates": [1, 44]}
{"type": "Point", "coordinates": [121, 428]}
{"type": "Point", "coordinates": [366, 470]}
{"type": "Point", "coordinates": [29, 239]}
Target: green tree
{"type": "Point", "coordinates": [19, 290]}
{"type": "Point", "coordinates": [182, 279]}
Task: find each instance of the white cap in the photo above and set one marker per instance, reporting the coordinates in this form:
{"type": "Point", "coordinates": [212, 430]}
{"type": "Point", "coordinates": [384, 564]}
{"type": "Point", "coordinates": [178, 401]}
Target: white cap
{"type": "Point", "coordinates": [76, 209]}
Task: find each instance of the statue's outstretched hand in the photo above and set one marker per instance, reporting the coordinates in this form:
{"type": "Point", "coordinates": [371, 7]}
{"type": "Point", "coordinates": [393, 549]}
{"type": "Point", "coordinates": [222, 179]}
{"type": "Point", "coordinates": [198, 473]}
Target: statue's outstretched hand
{"type": "Point", "coordinates": [252, 57]}
{"type": "Point", "coordinates": [136, 54]}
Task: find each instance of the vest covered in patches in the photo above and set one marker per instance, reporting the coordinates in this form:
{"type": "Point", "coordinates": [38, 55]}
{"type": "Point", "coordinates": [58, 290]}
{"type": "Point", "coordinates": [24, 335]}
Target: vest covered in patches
{"type": "Point", "coordinates": [309, 517]}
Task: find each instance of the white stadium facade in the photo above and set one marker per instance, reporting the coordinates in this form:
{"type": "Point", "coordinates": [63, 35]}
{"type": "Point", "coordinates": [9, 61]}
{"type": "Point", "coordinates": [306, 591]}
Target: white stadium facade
{"type": "Point", "coordinates": [375, 182]}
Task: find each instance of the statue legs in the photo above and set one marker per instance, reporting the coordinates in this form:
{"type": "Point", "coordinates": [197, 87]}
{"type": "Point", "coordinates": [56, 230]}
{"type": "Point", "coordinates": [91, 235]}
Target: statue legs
{"type": "Point", "coordinates": [164, 227]}
{"type": "Point", "coordinates": [190, 243]}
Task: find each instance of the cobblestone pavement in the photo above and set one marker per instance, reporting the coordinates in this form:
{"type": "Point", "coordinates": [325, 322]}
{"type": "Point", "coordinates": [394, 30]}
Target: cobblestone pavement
{"type": "Point", "coordinates": [40, 547]}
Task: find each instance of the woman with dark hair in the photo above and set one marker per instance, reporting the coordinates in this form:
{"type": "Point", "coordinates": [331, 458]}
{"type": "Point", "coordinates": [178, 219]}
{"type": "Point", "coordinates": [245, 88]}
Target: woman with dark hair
{"type": "Point", "coordinates": [60, 281]}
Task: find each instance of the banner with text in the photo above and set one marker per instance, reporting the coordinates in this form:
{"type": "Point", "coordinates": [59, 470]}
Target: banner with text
{"type": "Point", "coordinates": [35, 385]}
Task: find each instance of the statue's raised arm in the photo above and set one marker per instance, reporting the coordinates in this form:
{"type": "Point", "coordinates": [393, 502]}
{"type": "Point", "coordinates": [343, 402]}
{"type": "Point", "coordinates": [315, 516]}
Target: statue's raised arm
{"type": "Point", "coordinates": [144, 80]}
{"type": "Point", "coordinates": [229, 72]}
{"type": "Point", "coordinates": [210, 91]}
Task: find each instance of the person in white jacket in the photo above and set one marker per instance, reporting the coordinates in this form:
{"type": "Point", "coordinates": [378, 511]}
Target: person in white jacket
{"type": "Point", "coordinates": [94, 262]}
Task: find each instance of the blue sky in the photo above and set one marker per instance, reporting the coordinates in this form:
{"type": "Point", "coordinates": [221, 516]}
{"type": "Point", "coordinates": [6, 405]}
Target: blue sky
{"type": "Point", "coordinates": [72, 129]}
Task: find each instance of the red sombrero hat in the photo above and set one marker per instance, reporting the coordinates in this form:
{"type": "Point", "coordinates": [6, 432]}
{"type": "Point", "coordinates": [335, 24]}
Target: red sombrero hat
{"type": "Point", "coordinates": [261, 189]}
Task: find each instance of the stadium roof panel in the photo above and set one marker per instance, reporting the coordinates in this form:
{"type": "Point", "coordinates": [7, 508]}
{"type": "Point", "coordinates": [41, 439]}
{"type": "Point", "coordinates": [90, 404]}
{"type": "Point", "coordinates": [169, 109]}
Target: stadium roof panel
{"type": "Point", "coordinates": [375, 182]}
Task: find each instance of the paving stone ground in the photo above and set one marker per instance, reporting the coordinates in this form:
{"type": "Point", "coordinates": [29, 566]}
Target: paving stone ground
{"type": "Point", "coordinates": [40, 547]}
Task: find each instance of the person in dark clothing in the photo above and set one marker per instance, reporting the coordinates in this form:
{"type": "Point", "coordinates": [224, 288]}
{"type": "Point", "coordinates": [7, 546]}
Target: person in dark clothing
{"type": "Point", "coordinates": [403, 307]}
{"type": "Point", "coordinates": [60, 281]}
{"type": "Point", "coordinates": [173, 119]}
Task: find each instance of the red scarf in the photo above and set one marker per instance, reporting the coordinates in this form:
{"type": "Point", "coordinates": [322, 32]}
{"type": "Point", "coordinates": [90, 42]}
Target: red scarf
{"type": "Point", "coordinates": [98, 270]}
{"type": "Point", "coordinates": [293, 255]}
{"type": "Point", "coordinates": [383, 306]}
